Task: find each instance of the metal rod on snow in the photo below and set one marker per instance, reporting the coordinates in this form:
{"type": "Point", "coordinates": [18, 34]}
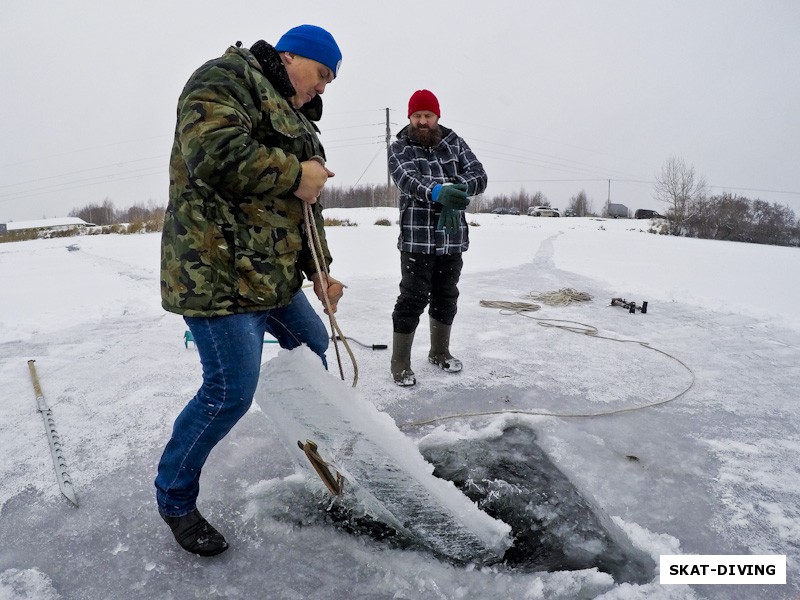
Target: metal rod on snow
{"type": "Point", "coordinates": [372, 346]}
{"type": "Point", "coordinates": [64, 480]}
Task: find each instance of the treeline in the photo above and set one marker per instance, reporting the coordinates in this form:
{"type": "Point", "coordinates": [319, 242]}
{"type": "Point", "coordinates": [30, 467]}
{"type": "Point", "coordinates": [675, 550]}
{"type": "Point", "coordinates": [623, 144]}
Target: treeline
{"type": "Point", "coordinates": [380, 195]}
{"type": "Point", "coordinates": [359, 196]}
{"type": "Point", "coordinates": [137, 217]}
{"type": "Point", "coordinates": [367, 195]}
{"type": "Point", "coordinates": [523, 200]}
{"type": "Point", "coordinates": [739, 219]}
{"type": "Point", "coordinates": [520, 200]}
{"type": "Point", "coordinates": [724, 217]}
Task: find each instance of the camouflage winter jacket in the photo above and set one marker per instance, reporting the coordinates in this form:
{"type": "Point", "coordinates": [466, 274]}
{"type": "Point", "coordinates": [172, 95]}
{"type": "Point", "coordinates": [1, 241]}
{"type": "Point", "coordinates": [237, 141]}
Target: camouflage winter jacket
{"type": "Point", "coordinates": [233, 238]}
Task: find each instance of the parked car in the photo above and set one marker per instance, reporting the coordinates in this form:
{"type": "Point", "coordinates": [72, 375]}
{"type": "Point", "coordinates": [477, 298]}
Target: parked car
{"type": "Point", "coordinates": [502, 210]}
{"type": "Point", "coordinates": [570, 213]}
{"type": "Point", "coordinates": [543, 211]}
{"type": "Point", "coordinates": [643, 213]}
{"type": "Point", "coordinates": [513, 210]}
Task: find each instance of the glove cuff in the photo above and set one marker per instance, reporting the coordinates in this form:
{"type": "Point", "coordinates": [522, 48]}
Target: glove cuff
{"type": "Point", "coordinates": [435, 192]}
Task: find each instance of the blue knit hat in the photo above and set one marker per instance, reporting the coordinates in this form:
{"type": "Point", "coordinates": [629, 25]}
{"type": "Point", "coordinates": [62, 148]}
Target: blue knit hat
{"type": "Point", "coordinates": [312, 42]}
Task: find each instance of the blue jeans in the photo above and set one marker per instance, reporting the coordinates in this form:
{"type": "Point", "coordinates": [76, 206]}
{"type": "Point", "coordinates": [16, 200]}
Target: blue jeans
{"type": "Point", "coordinates": [230, 353]}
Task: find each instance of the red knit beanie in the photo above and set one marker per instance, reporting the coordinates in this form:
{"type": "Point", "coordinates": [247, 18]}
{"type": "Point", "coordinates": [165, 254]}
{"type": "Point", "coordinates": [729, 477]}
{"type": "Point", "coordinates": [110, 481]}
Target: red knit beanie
{"type": "Point", "coordinates": [423, 100]}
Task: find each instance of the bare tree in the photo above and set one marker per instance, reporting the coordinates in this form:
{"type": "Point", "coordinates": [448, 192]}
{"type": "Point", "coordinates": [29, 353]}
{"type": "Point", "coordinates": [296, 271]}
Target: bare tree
{"type": "Point", "coordinates": [539, 199]}
{"type": "Point", "coordinates": [738, 219]}
{"type": "Point", "coordinates": [97, 215]}
{"type": "Point", "coordinates": [580, 204]}
{"type": "Point", "coordinates": [772, 223]}
{"type": "Point", "coordinates": [679, 187]}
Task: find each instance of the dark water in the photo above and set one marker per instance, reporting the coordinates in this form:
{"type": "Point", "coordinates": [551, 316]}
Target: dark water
{"type": "Point", "coordinates": [554, 526]}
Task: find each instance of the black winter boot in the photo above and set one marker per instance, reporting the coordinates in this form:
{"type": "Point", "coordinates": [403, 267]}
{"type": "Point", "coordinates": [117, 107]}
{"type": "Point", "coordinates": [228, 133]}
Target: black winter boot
{"type": "Point", "coordinates": [195, 534]}
{"type": "Point", "coordinates": [440, 348]}
{"type": "Point", "coordinates": [401, 359]}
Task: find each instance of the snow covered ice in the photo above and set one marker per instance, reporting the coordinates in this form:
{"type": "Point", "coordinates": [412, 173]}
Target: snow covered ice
{"type": "Point", "coordinates": [714, 472]}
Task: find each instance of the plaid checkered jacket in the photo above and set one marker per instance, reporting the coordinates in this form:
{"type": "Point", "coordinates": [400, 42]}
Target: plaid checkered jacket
{"type": "Point", "coordinates": [415, 170]}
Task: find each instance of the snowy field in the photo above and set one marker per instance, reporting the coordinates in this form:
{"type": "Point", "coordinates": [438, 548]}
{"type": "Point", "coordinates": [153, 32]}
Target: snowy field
{"type": "Point", "coordinates": [713, 470]}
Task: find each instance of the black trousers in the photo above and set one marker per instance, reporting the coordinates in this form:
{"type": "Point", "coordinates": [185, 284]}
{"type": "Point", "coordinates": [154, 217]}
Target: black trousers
{"type": "Point", "coordinates": [426, 279]}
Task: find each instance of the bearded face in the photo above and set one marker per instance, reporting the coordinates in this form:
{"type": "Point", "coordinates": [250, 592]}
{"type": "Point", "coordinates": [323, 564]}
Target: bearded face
{"type": "Point", "coordinates": [425, 134]}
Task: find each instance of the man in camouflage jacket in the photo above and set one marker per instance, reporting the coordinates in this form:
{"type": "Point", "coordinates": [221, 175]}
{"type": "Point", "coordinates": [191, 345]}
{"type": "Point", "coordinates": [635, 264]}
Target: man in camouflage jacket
{"type": "Point", "coordinates": [246, 157]}
{"type": "Point", "coordinates": [436, 173]}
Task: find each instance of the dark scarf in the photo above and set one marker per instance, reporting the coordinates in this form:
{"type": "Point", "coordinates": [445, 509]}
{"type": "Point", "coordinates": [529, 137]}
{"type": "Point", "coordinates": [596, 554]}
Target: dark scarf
{"type": "Point", "coordinates": [275, 71]}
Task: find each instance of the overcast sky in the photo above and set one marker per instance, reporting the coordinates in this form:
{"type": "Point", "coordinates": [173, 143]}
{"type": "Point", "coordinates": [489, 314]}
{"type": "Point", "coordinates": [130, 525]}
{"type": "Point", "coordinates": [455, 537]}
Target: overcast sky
{"type": "Point", "coordinates": [556, 96]}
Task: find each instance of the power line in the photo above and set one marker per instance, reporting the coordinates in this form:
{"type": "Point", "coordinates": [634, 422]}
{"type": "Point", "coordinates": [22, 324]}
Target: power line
{"type": "Point", "coordinates": [374, 156]}
{"type": "Point", "coordinates": [363, 137]}
{"type": "Point", "coordinates": [517, 155]}
{"type": "Point", "coordinates": [546, 180]}
{"type": "Point", "coordinates": [118, 164]}
{"type": "Point", "coordinates": [559, 161]}
{"type": "Point", "coordinates": [86, 149]}
{"type": "Point", "coordinates": [541, 163]}
{"type": "Point", "coordinates": [80, 183]}
{"type": "Point", "coordinates": [733, 187]}
{"type": "Point", "coordinates": [333, 147]}
{"type": "Point", "coordinates": [508, 134]}
{"type": "Point", "coordinates": [327, 129]}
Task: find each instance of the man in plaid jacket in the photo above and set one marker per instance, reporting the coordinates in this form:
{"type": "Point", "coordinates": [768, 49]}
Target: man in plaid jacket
{"type": "Point", "coordinates": [436, 173]}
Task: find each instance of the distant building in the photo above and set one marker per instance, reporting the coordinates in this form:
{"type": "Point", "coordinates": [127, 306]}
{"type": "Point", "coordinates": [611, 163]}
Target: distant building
{"type": "Point", "coordinates": [58, 224]}
{"type": "Point", "coordinates": [618, 211]}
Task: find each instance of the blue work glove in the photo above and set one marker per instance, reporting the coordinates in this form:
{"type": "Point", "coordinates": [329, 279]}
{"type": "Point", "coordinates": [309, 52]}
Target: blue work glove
{"type": "Point", "coordinates": [449, 220]}
{"type": "Point", "coordinates": [451, 196]}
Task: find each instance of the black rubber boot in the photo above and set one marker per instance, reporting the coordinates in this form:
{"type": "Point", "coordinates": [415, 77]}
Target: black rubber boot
{"type": "Point", "coordinates": [401, 359]}
{"type": "Point", "coordinates": [195, 534]}
{"type": "Point", "coordinates": [439, 354]}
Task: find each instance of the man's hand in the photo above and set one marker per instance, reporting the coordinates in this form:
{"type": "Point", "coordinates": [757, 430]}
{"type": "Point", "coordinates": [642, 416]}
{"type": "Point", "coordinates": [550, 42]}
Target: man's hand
{"type": "Point", "coordinates": [449, 220]}
{"type": "Point", "coordinates": [325, 283]}
{"type": "Point", "coordinates": [313, 178]}
{"type": "Point", "coordinates": [451, 196]}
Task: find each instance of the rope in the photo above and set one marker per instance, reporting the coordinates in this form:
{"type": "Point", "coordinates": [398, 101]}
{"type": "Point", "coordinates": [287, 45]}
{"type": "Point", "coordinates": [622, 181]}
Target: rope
{"type": "Point", "coordinates": [521, 308]}
{"type": "Point", "coordinates": [315, 244]}
{"type": "Point", "coordinates": [561, 297]}
{"type": "Point", "coordinates": [510, 308]}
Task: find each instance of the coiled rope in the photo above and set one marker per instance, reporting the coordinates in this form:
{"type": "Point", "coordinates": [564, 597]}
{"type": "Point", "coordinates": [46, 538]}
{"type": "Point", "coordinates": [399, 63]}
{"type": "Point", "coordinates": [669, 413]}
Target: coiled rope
{"type": "Point", "coordinates": [521, 308]}
{"type": "Point", "coordinates": [562, 297]}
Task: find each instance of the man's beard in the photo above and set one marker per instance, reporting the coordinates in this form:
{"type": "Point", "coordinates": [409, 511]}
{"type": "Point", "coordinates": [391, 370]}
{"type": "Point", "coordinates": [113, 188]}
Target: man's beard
{"type": "Point", "coordinates": [425, 136]}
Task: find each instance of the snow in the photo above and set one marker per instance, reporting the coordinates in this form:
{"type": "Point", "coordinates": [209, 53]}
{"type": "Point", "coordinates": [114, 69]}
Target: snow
{"type": "Point", "coordinates": [711, 471]}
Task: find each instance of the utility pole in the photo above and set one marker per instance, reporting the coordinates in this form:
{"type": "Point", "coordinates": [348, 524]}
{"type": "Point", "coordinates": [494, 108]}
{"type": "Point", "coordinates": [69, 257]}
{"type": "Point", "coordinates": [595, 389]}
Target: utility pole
{"type": "Point", "coordinates": [608, 202]}
{"type": "Point", "coordinates": [388, 140]}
